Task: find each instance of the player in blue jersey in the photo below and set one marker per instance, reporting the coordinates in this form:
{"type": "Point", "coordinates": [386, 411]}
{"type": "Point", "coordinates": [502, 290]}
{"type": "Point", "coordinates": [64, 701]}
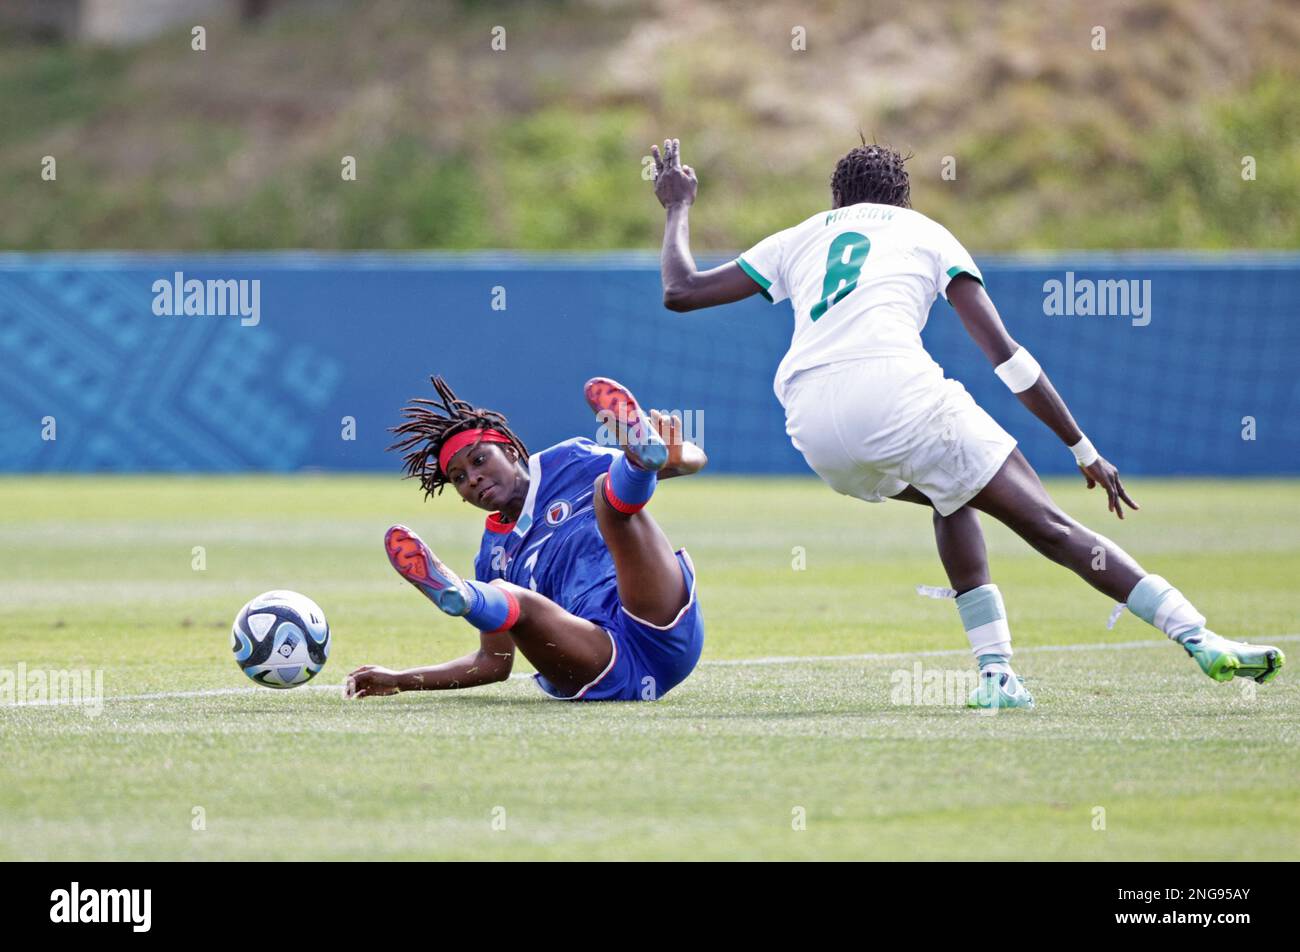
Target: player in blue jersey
{"type": "Point", "coordinates": [572, 571]}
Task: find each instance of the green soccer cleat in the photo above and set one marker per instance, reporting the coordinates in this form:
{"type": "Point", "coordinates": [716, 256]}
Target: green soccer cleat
{"type": "Point", "coordinates": [1223, 660]}
{"type": "Point", "coordinates": [999, 689]}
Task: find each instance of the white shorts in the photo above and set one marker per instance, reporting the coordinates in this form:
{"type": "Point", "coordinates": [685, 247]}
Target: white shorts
{"type": "Point", "coordinates": [872, 427]}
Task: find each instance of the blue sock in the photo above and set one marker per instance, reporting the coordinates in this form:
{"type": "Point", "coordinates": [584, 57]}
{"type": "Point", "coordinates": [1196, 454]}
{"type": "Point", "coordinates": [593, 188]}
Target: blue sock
{"type": "Point", "coordinates": [628, 488]}
{"type": "Point", "coordinates": [491, 608]}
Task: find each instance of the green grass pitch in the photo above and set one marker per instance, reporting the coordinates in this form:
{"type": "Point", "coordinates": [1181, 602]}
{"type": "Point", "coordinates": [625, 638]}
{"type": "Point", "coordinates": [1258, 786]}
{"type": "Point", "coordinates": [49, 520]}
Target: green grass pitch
{"type": "Point", "coordinates": [1131, 754]}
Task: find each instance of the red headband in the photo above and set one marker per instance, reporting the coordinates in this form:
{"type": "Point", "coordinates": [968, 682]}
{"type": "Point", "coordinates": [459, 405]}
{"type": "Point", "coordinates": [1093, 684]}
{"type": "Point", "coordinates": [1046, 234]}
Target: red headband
{"type": "Point", "coordinates": [467, 438]}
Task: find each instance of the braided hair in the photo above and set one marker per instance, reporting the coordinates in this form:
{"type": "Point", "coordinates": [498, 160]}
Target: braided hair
{"type": "Point", "coordinates": [430, 423]}
{"type": "Point", "coordinates": [871, 173]}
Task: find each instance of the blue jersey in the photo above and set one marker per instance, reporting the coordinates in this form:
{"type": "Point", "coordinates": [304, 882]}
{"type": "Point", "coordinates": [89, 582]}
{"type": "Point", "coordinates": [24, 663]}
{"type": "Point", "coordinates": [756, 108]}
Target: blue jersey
{"type": "Point", "coordinates": [555, 548]}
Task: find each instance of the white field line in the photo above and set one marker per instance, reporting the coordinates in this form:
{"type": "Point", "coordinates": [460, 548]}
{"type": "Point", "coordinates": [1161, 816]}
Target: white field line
{"type": "Point", "coordinates": [719, 663]}
{"type": "Point", "coordinates": [955, 652]}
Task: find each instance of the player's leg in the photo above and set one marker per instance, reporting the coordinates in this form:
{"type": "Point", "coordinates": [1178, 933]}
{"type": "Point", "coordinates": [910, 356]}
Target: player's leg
{"type": "Point", "coordinates": [1016, 497]}
{"type": "Point", "coordinates": [960, 540]}
{"type": "Point", "coordinates": [568, 651]}
{"type": "Point", "coordinates": [868, 432]}
{"type": "Point", "coordinates": [650, 582]}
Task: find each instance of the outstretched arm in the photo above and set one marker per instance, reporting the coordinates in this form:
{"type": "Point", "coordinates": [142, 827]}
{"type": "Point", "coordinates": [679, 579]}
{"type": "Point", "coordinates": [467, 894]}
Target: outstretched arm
{"type": "Point", "coordinates": [491, 663]}
{"type": "Point", "coordinates": [982, 322]}
{"type": "Point", "coordinates": [685, 287]}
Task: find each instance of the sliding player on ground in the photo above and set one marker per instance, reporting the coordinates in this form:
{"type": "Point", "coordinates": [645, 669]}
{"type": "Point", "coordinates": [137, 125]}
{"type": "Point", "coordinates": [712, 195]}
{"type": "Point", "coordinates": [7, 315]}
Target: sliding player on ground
{"type": "Point", "coordinates": [875, 417]}
{"type": "Point", "coordinates": [572, 571]}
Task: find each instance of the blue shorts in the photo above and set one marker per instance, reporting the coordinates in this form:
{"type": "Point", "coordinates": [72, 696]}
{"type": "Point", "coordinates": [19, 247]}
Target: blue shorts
{"type": "Point", "coordinates": [648, 660]}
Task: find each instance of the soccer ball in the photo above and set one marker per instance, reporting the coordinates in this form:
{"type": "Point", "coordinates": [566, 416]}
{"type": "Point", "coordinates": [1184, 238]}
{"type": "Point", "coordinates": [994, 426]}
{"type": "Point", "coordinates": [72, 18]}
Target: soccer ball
{"type": "Point", "coordinates": [281, 639]}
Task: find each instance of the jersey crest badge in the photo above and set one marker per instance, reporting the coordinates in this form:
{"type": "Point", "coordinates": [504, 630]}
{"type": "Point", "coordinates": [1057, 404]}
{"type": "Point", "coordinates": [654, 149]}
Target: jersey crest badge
{"type": "Point", "coordinates": [557, 512]}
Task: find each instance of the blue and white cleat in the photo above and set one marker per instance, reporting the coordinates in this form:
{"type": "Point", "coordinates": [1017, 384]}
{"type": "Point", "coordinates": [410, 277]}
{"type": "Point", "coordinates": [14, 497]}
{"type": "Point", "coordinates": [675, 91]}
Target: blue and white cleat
{"type": "Point", "coordinates": [615, 407]}
{"type": "Point", "coordinates": [419, 566]}
{"type": "Point", "coordinates": [1223, 659]}
{"type": "Point", "coordinates": [1000, 689]}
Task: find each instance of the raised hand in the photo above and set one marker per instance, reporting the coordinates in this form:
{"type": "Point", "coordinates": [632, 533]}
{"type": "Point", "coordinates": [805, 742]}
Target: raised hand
{"type": "Point", "coordinates": [675, 184]}
{"type": "Point", "coordinates": [683, 458]}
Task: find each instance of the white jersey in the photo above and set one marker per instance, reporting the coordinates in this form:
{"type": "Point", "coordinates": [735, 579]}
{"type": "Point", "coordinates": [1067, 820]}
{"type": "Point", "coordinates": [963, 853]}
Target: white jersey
{"type": "Point", "coordinates": [861, 280]}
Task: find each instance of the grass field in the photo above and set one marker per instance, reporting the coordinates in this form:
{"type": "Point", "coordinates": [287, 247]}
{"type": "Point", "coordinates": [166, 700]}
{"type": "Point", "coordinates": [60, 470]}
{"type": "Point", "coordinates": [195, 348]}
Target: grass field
{"type": "Point", "coordinates": [101, 574]}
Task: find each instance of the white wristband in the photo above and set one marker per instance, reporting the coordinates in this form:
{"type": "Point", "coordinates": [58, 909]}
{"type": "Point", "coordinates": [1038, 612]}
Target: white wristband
{"type": "Point", "coordinates": [1085, 454]}
{"type": "Point", "coordinates": [1019, 372]}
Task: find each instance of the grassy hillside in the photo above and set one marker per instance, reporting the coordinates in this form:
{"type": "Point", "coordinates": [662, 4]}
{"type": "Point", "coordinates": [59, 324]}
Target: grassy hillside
{"type": "Point", "coordinates": [540, 146]}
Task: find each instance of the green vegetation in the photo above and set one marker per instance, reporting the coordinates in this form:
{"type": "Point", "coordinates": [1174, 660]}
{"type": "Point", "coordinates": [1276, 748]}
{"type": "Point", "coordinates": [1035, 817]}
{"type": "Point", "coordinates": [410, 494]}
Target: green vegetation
{"type": "Point", "coordinates": [540, 145]}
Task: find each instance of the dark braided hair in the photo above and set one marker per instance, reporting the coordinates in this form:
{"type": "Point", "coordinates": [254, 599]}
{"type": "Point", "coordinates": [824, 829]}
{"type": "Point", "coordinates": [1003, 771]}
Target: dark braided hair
{"type": "Point", "coordinates": [871, 173]}
{"type": "Point", "coordinates": [430, 423]}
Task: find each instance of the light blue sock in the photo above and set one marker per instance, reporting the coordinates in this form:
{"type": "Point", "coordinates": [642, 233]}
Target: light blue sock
{"type": "Point", "coordinates": [985, 619]}
{"type": "Point", "coordinates": [1158, 603]}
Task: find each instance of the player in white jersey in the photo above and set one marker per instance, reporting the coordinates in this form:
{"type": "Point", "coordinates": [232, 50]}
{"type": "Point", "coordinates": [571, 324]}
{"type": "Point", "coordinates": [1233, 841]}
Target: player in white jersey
{"type": "Point", "coordinates": [875, 417]}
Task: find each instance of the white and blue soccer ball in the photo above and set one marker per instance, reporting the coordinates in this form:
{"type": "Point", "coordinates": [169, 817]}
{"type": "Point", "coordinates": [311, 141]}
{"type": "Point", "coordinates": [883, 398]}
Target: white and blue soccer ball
{"type": "Point", "coordinates": [281, 639]}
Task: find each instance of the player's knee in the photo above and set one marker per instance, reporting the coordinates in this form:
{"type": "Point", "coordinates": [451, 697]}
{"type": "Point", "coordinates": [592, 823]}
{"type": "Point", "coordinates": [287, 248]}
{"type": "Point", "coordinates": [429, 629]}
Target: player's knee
{"type": "Point", "coordinates": [526, 597]}
{"type": "Point", "coordinates": [518, 591]}
{"type": "Point", "coordinates": [1052, 530]}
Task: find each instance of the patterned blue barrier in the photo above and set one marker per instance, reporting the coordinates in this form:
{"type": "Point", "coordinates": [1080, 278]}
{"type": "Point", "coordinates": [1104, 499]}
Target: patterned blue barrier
{"type": "Point", "coordinates": [355, 335]}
